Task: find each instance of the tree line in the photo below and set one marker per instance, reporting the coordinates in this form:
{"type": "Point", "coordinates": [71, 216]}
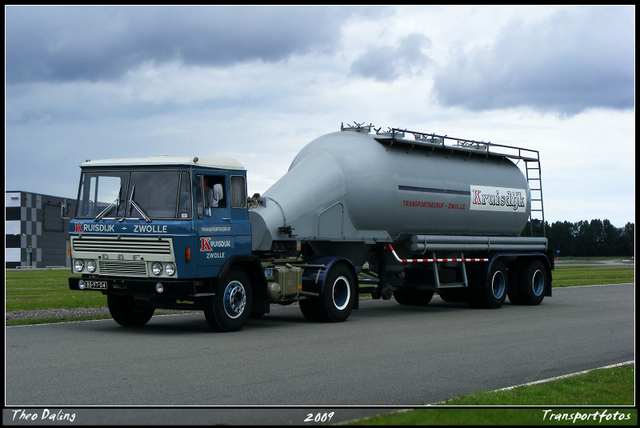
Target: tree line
{"type": "Point", "coordinates": [585, 238]}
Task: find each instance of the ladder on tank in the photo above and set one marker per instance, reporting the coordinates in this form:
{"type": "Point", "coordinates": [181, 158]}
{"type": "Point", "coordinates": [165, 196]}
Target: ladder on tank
{"type": "Point", "coordinates": [534, 178]}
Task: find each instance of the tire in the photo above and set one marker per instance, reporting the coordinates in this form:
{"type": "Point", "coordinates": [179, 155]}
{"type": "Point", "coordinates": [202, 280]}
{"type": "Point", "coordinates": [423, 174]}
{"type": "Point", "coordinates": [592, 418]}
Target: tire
{"type": "Point", "coordinates": [230, 307]}
{"type": "Point", "coordinates": [308, 309]}
{"type": "Point", "coordinates": [126, 312]}
{"type": "Point", "coordinates": [534, 281]}
{"type": "Point", "coordinates": [337, 301]}
{"type": "Point", "coordinates": [494, 292]}
{"type": "Point", "coordinates": [413, 297]}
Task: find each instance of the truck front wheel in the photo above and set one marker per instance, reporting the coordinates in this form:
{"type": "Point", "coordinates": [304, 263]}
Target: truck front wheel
{"type": "Point", "coordinates": [230, 307]}
{"type": "Point", "coordinates": [126, 312]}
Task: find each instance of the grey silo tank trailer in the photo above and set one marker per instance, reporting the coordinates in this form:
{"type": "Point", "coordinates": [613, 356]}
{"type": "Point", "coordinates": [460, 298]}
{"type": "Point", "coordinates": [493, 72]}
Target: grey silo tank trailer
{"type": "Point", "coordinates": [397, 214]}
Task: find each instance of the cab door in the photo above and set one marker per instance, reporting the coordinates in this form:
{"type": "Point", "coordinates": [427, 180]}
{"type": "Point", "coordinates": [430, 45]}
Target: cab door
{"type": "Point", "coordinates": [213, 222]}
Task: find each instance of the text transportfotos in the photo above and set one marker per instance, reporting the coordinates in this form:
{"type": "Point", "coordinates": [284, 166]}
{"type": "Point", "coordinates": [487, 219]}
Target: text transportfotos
{"type": "Point", "coordinates": [597, 416]}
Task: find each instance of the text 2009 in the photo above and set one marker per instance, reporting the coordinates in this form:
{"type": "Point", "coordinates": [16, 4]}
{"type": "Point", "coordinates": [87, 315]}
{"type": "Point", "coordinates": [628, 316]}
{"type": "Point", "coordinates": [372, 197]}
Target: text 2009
{"type": "Point", "coordinates": [319, 417]}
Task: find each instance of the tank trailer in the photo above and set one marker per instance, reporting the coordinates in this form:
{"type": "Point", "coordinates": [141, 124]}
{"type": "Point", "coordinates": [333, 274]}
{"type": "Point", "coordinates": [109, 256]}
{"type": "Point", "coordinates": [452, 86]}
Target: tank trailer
{"type": "Point", "coordinates": [397, 214]}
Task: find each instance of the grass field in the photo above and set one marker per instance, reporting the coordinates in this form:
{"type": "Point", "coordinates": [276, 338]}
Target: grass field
{"type": "Point", "coordinates": [566, 276]}
{"type": "Point", "coordinates": [48, 289]}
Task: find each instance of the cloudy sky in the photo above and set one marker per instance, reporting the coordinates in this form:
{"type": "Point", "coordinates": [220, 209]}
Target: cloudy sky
{"type": "Point", "coordinates": [258, 83]}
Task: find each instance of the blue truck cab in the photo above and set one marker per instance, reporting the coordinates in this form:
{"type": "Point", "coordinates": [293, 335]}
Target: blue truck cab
{"type": "Point", "coordinates": [164, 232]}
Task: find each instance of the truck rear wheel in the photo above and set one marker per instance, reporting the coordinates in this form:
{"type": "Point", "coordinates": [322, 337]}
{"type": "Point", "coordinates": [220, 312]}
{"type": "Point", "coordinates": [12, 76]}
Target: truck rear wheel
{"type": "Point", "coordinates": [337, 301]}
{"type": "Point", "coordinates": [308, 309]}
{"type": "Point", "coordinates": [533, 283]}
{"type": "Point", "coordinates": [126, 312]}
{"type": "Point", "coordinates": [230, 307]}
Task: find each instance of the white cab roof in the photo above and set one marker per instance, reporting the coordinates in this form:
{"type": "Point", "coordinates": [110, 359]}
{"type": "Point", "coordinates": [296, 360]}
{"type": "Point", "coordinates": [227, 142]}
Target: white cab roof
{"type": "Point", "coordinates": [161, 160]}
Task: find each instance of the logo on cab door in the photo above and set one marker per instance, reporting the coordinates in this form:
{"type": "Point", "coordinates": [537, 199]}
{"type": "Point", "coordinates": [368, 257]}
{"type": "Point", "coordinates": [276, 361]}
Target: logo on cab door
{"type": "Point", "coordinates": [212, 247]}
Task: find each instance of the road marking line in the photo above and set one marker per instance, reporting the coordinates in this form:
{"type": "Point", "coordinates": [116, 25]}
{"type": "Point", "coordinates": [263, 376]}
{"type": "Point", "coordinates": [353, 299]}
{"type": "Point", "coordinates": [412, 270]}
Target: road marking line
{"type": "Point", "coordinates": [566, 376]}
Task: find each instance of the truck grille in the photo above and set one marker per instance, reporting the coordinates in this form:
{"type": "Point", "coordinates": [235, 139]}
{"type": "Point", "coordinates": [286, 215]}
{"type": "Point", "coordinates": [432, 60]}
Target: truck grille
{"type": "Point", "coordinates": [104, 244]}
{"type": "Point", "coordinates": [124, 256]}
{"type": "Point", "coordinates": [123, 268]}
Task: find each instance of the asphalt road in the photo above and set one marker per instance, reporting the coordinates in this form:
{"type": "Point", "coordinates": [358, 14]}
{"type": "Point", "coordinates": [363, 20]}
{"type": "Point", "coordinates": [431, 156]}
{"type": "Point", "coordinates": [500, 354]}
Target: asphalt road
{"type": "Point", "coordinates": [281, 368]}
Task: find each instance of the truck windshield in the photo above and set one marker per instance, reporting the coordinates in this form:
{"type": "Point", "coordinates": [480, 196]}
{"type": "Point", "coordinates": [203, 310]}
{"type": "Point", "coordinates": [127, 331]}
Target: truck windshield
{"type": "Point", "coordinates": [134, 194]}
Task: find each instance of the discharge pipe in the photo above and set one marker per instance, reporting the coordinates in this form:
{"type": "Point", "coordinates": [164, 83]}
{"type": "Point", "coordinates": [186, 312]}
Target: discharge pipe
{"type": "Point", "coordinates": [423, 243]}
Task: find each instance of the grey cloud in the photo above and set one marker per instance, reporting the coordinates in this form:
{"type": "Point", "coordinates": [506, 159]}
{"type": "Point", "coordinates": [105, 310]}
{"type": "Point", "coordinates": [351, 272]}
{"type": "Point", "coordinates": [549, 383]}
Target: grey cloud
{"type": "Point", "coordinates": [91, 42]}
{"type": "Point", "coordinates": [580, 58]}
{"type": "Point", "coordinates": [386, 63]}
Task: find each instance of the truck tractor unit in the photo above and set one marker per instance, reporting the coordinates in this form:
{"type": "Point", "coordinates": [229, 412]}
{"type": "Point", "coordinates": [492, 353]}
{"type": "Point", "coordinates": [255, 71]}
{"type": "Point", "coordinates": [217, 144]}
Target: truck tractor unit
{"type": "Point", "coordinates": [397, 213]}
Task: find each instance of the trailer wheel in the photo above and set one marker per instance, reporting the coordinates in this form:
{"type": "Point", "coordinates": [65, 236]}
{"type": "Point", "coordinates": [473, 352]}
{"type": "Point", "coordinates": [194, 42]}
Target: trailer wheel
{"type": "Point", "coordinates": [338, 299]}
{"type": "Point", "coordinates": [413, 297]}
{"type": "Point", "coordinates": [533, 283]}
{"type": "Point", "coordinates": [230, 307]}
{"type": "Point", "coordinates": [126, 312]}
{"type": "Point", "coordinates": [494, 292]}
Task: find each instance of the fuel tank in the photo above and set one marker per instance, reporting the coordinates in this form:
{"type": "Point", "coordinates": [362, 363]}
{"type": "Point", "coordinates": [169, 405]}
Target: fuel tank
{"type": "Point", "coordinates": [354, 187]}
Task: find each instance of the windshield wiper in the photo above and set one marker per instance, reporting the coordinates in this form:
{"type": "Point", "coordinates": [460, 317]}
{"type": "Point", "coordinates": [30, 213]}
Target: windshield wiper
{"type": "Point", "coordinates": [138, 208]}
{"type": "Point", "coordinates": [107, 210]}
{"type": "Point", "coordinates": [115, 203]}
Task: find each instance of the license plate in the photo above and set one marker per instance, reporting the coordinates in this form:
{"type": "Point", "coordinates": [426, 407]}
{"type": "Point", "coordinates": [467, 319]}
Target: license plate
{"type": "Point", "coordinates": [95, 285]}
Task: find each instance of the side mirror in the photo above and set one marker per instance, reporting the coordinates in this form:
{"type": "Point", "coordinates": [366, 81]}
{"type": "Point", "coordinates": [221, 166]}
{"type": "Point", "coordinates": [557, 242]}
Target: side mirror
{"type": "Point", "coordinates": [64, 209]}
{"type": "Point", "coordinates": [218, 193]}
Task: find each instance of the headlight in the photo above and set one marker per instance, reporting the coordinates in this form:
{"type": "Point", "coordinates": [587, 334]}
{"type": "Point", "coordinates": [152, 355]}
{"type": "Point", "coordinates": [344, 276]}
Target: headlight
{"type": "Point", "coordinates": [170, 269]}
{"type": "Point", "coordinates": [156, 268]}
{"type": "Point", "coordinates": [78, 265]}
{"type": "Point", "coordinates": [91, 266]}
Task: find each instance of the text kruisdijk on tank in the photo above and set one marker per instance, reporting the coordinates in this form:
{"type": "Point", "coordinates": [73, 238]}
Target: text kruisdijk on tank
{"type": "Point", "coordinates": [482, 198]}
{"type": "Point", "coordinates": [488, 198]}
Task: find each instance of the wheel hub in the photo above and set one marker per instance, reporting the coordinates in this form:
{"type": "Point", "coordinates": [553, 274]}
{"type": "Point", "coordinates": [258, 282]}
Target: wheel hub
{"type": "Point", "coordinates": [341, 293]}
{"type": "Point", "coordinates": [235, 299]}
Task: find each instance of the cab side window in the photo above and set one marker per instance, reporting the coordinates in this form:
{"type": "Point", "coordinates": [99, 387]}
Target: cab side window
{"type": "Point", "coordinates": [209, 194]}
{"type": "Point", "coordinates": [238, 191]}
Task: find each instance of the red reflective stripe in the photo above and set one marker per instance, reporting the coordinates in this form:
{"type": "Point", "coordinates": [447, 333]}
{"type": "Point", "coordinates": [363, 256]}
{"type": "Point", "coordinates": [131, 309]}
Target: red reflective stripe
{"type": "Point", "coordinates": [433, 260]}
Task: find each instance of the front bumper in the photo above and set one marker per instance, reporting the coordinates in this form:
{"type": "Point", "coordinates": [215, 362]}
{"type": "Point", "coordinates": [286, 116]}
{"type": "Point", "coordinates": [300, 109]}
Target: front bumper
{"type": "Point", "coordinates": [186, 289]}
